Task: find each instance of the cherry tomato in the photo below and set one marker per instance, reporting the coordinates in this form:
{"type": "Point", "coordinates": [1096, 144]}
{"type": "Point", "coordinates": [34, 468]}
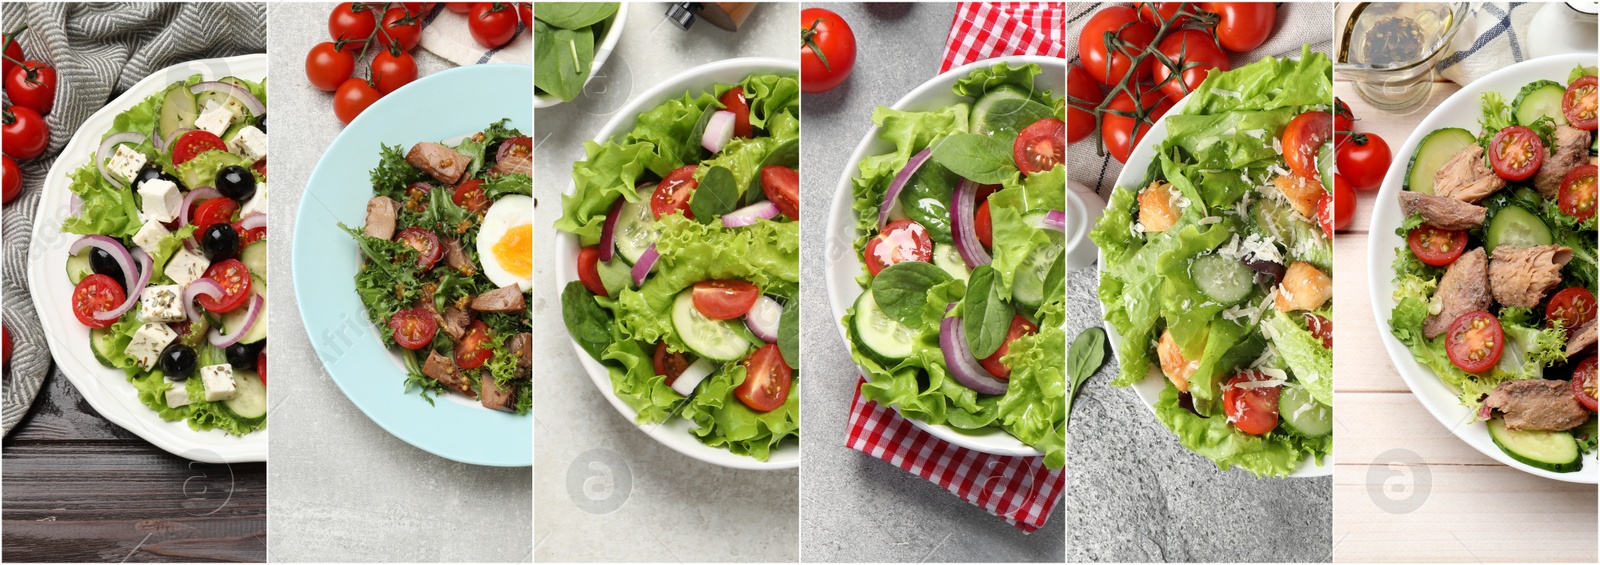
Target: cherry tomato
{"type": "Point", "coordinates": [525, 13]}
{"type": "Point", "coordinates": [402, 28]}
{"type": "Point", "coordinates": [1583, 384]}
{"type": "Point", "coordinates": [1252, 409]}
{"type": "Point", "coordinates": [1117, 131]}
{"type": "Point", "coordinates": [213, 211]}
{"type": "Point", "coordinates": [425, 242]}
{"type": "Point", "coordinates": [1320, 328]}
{"type": "Point", "coordinates": [192, 144]}
{"type": "Point", "coordinates": [1108, 64]}
{"type": "Point", "coordinates": [459, 7]}
{"type": "Point", "coordinates": [1578, 105]}
{"type": "Point", "coordinates": [782, 186]}
{"type": "Point", "coordinates": [94, 294]}
{"type": "Point", "coordinates": [413, 328]}
{"type": "Point", "coordinates": [669, 364]}
{"type": "Point", "coordinates": [1363, 160]}
{"type": "Point", "coordinates": [982, 224]}
{"type": "Point", "coordinates": [1325, 214]}
{"type": "Point", "coordinates": [1302, 138]}
{"type": "Point", "coordinates": [352, 21]}
{"type": "Point", "coordinates": [735, 102]}
{"type": "Point", "coordinates": [900, 240]}
{"type": "Point", "coordinates": [234, 278]}
{"type": "Point", "coordinates": [1344, 203]}
{"type": "Point", "coordinates": [1083, 88]}
{"type": "Point", "coordinates": [1041, 146]}
{"type": "Point", "coordinates": [589, 270]}
{"type": "Point", "coordinates": [724, 299]}
{"type": "Point", "coordinates": [1020, 326]}
{"type": "Point", "coordinates": [25, 134]}
{"type": "Point", "coordinates": [470, 196]}
{"type": "Point", "coordinates": [475, 348]}
{"type": "Point", "coordinates": [1154, 13]}
{"type": "Point", "coordinates": [392, 69]}
{"type": "Point", "coordinates": [13, 52]}
{"type": "Point", "coordinates": [327, 67]}
{"type": "Point", "coordinates": [1475, 341]}
{"type": "Point", "coordinates": [12, 178]}
{"type": "Point", "coordinates": [827, 50]}
{"type": "Point", "coordinates": [492, 24]}
{"type": "Point", "coordinates": [1516, 153]}
{"type": "Point", "coordinates": [1434, 246]}
{"type": "Point", "coordinates": [32, 85]}
{"type": "Point", "coordinates": [1578, 192]}
{"type": "Point", "coordinates": [5, 346]}
{"type": "Point", "coordinates": [1195, 52]}
{"type": "Point", "coordinates": [766, 380]}
{"type": "Point", "coordinates": [1571, 308]}
{"type": "Point", "coordinates": [261, 366]}
{"type": "Point", "coordinates": [672, 193]}
{"type": "Point", "coordinates": [1344, 121]}
{"type": "Point", "coordinates": [249, 236]}
{"type": "Point", "coordinates": [1244, 25]}
{"type": "Point", "coordinates": [352, 98]}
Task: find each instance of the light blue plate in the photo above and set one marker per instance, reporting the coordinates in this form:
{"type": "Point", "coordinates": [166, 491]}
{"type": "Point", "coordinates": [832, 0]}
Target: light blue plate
{"type": "Point", "coordinates": [437, 107]}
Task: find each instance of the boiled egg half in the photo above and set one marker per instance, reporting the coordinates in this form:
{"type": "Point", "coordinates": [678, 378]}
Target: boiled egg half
{"type": "Point", "coordinates": [505, 243]}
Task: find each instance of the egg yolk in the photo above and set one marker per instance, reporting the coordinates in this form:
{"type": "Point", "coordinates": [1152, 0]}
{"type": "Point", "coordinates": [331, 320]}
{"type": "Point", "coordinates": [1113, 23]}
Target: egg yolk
{"type": "Point", "coordinates": [514, 251]}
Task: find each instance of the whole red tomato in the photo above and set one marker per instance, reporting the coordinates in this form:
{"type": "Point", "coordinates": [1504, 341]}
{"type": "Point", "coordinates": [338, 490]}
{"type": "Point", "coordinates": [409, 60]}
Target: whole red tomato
{"type": "Point", "coordinates": [492, 24]}
{"type": "Point", "coordinates": [1083, 88]}
{"type": "Point", "coordinates": [352, 21]}
{"type": "Point", "coordinates": [1117, 131]}
{"type": "Point", "coordinates": [459, 7]}
{"type": "Point", "coordinates": [1244, 25]}
{"type": "Point", "coordinates": [1363, 160]}
{"type": "Point", "coordinates": [402, 28]}
{"type": "Point", "coordinates": [525, 13]}
{"type": "Point", "coordinates": [352, 98]}
{"type": "Point", "coordinates": [11, 177]}
{"type": "Point", "coordinates": [827, 50]}
{"type": "Point", "coordinates": [327, 67]}
{"type": "Point", "coordinates": [25, 134]}
{"type": "Point", "coordinates": [1107, 63]}
{"type": "Point", "coordinates": [32, 85]}
{"type": "Point", "coordinates": [1154, 13]}
{"type": "Point", "coordinates": [1195, 52]}
{"type": "Point", "coordinates": [392, 69]}
{"type": "Point", "coordinates": [13, 52]}
{"type": "Point", "coordinates": [1344, 202]}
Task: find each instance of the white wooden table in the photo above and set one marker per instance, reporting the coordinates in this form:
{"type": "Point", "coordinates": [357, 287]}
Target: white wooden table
{"type": "Point", "coordinates": [1405, 488]}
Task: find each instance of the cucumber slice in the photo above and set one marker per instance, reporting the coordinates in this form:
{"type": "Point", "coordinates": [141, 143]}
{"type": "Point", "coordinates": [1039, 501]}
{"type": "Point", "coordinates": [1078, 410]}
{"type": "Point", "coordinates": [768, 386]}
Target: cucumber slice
{"type": "Point", "coordinates": [1514, 225]}
{"type": "Point", "coordinates": [100, 342]}
{"type": "Point", "coordinates": [1222, 279]}
{"type": "Point", "coordinates": [78, 266]}
{"type": "Point", "coordinates": [1303, 414]}
{"type": "Point", "coordinates": [636, 227]}
{"type": "Point", "coordinates": [713, 339]}
{"type": "Point", "coordinates": [178, 111]}
{"type": "Point", "coordinates": [945, 257]}
{"type": "Point", "coordinates": [254, 257]}
{"type": "Point", "coordinates": [1027, 286]}
{"type": "Point", "coordinates": [1435, 150]}
{"type": "Point", "coordinates": [1006, 110]}
{"type": "Point", "coordinates": [250, 396]}
{"type": "Point", "coordinates": [884, 339]}
{"type": "Point", "coordinates": [1325, 164]}
{"type": "Point", "coordinates": [234, 320]}
{"type": "Point", "coordinates": [233, 105]}
{"type": "Point", "coordinates": [1552, 451]}
{"type": "Point", "coordinates": [1539, 99]}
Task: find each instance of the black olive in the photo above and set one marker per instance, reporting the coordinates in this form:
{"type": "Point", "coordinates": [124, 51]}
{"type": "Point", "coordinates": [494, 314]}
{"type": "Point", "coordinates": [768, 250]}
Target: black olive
{"type": "Point", "coordinates": [174, 180]}
{"type": "Point", "coordinates": [178, 361]}
{"type": "Point", "coordinates": [150, 171]}
{"type": "Point", "coordinates": [236, 182]}
{"type": "Point", "coordinates": [220, 242]}
{"type": "Point", "coordinates": [102, 263]}
{"type": "Point", "coordinates": [243, 355]}
{"type": "Point", "coordinates": [1270, 268]}
{"type": "Point", "coordinates": [261, 123]}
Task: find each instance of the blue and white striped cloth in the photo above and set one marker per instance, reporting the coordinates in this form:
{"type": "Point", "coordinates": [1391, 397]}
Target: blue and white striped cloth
{"type": "Point", "coordinates": [1497, 36]}
{"type": "Point", "coordinates": [445, 33]}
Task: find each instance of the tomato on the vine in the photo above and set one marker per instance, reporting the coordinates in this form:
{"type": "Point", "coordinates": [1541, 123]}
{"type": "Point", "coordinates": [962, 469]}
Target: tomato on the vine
{"type": "Point", "coordinates": [1243, 25]}
{"type": "Point", "coordinates": [32, 85]}
{"type": "Point", "coordinates": [460, 7]}
{"type": "Point", "coordinates": [1344, 121]}
{"type": "Point", "coordinates": [1107, 63]}
{"type": "Point", "coordinates": [353, 21]}
{"type": "Point", "coordinates": [1118, 131]}
{"type": "Point", "coordinates": [827, 50]}
{"type": "Point", "coordinates": [1081, 86]}
{"type": "Point", "coordinates": [392, 69]}
{"type": "Point", "coordinates": [1344, 202]}
{"type": "Point", "coordinates": [1154, 13]}
{"type": "Point", "coordinates": [12, 178]}
{"type": "Point", "coordinates": [25, 134]}
{"type": "Point", "coordinates": [492, 24]}
{"type": "Point", "coordinates": [327, 66]}
{"type": "Point", "coordinates": [13, 52]}
{"type": "Point", "coordinates": [1363, 160]}
{"type": "Point", "coordinates": [402, 28]}
{"type": "Point", "coordinates": [1195, 52]}
{"type": "Point", "coordinates": [352, 98]}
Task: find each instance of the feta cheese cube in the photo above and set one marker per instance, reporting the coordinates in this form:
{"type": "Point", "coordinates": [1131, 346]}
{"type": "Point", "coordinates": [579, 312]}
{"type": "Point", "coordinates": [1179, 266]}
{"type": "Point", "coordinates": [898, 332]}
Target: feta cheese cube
{"type": "Point", "coordinates": [150, 235]}
{"type": "Point", "coordinates": [258, 203]}
{"type": "Point", "coordinates": [218, 380]}
{"type": "Point", "coordinates": [185, 267]}
{"type": "Point", "coordinates": [178, 395]}
{"type": "Point", "coordinates": [161, 303]}
{"type": "Point", "coordinates": [249, 143]}
{"type": "Point", "coordinates": [125, 163]}
{"type": "Point", "coordinates": [148, 341]}
{"type": "Point", "coordinates": [215, 120]}
{"type": "Point", "coordinates": [161, 200]}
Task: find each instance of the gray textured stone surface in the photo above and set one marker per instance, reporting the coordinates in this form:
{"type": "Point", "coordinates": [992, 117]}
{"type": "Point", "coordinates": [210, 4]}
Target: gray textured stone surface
{"type": "Point", "coordinates": [678, 508]}
{"type": "Point", "coordinates": [341, 488]}
{"type": "Point", "coordinates": [855, 507]}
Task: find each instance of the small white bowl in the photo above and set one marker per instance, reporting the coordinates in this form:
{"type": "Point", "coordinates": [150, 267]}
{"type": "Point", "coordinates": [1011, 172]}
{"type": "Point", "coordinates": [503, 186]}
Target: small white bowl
{"type": "Point", "coordinates": [607, 44]}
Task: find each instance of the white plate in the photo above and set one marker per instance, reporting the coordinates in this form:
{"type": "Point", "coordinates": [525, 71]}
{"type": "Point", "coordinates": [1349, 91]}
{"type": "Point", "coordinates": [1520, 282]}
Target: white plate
{"type": "Point", "coordinates": [607, 44]}
{"type": "Point", "coordinates": [108, 390]}
{"type": "Point", "coordinates": [1461, 110]}
{"type": "Point", "coordinates": [1149, 389]}
{"type": "Point", "coordinates": [843, 264]}
{"type": "Point", "coordinates": [675, 432]}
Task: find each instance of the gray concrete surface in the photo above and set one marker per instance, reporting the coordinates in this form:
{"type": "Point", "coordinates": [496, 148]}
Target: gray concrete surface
{"type": "Point", "coordinates": [855, 507]}
{"type": "Point", "coordinates": [671, 507]}
{"type": "Point", "coordinates": [341, 488]}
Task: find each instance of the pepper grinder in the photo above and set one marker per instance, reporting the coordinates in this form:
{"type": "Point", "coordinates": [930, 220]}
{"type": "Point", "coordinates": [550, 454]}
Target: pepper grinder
{"type": "Point", "coordinates": [726, 15]}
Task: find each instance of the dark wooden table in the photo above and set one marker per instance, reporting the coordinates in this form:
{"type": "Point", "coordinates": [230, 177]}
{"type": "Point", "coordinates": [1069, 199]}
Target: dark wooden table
{"type": "Point", "coordinates": [79, 488]}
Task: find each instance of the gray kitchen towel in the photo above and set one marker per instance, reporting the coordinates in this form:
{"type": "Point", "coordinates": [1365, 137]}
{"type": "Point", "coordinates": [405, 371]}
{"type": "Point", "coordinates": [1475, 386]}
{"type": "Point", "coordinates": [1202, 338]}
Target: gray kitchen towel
{"type": "Point", "coordinates": [99, 50]}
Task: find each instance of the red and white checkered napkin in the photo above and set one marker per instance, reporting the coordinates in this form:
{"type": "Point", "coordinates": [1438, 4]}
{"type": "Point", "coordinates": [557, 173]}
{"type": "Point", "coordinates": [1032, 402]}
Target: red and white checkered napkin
{"type": "Point", "coordinates": [984, 30]}
{"type": "Point", "coordinates": [1019, 490]}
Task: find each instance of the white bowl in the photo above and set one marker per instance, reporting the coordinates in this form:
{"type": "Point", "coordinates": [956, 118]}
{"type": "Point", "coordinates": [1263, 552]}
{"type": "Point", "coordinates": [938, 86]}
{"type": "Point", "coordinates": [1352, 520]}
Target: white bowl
{"type": "Point", "coordinates": [1149, 389]}
{"type": "Point", "coordinates": [607, 44]}
{"type": "Point", "coordinates": [675, 432]}
{"type": "Point", "coordinates": [1459, 110]}
{"type": "Point", "coordinates": [106, 389]}
{"type": "Point", "coordinates": [843, 264]}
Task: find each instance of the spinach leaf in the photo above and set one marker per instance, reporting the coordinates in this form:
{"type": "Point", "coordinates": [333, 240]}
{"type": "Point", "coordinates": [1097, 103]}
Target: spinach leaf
{"type": "Point", "coordinates": [691, 145]}
{"type": "Point", "coordinates": [563, 59]}
{"type": "Point", "coordinates": [789, 334]}
{"type": "Point", "coordinates": [986, 315]}
{"type": "Point", "coordinates": [573, 15]}
{"type": "Point", "coordinates": [715, 196]}
{"type": "Point", "coordinates": [615, 275]}
{"type": "Point", "coordinates": [786, 154]}
{"type": "Point", "coordinates": [587, 321]}
{"type": "Point", "coordinates": [926, 200]}
{"type": "Point", "coordinates": [902, 289]}
{"type": "Point", "coordinates": [978, 158]}
{"type": "Point", "coordinates": [1087, 354]}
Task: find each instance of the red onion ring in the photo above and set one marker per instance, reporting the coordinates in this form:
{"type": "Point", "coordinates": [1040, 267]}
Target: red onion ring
{"type": "Point", "coordinates": [899, 183]}
{"type": "Point", "coordinates": [1054, 220]}
{"type": "Point", "coordinates": [204, 286]}
{"type": "Point", "coordinates": [963, 366]}
{"type": "Point", "coordinates": [253, 221]}
{"type": "Point", "coordinates": [133, 291]}
{"type": "Point", "coordinates": [647, 261]}
{"type": "Point", "coordinates": [749, 215]}
{"type": "Point", "coordinates": [204, 192]}
{"type": "Point", "coordinates": [216, 338]}
{"type": "Point", "coordinates": [105, 152]}
{"type": "Point", "coordinates": [963, 203]}
{"type": "Point", "coordinates": [114, 248]}
{"type": "Point", "coordinates": [161, 144]}
{"type": "Point", "coordinates": [608, 234]}
{"type": "Point", "coordinates": [249, 100]}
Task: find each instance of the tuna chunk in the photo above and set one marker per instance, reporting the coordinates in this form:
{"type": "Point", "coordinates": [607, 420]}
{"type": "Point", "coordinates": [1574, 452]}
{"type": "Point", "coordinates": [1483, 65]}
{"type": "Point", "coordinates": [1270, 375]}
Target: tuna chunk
{"type": "Point", "coordinates": [1443, 213]}
{"type": "Point", "coordinates": [456, 257]}
{"type": "Point", "coordinates": [494, 397]}
{"type": "Point", "coordinates": [1521, 276]}
{"type": "Point", "coordinates": [504, 299]}
{"type": "Point", "coordinates": [442, 369]}
{"type": "Point", "coordinates": [1580, 339]}
{"type": "Point", "coordinates": [1464, 288]}
{"type": "Point", "coordinates": [522, 347]}
{"type": "Point", "coordinates": [1538, 405]}
{"type": "Point", "coordinates": [440, 162]}
{"type": "Point", "coordinates": [381, 213]}
{"type": "Point", "coordinates": [1466, 177]}
{"type": "Point", "coordinates": [1571, 151]}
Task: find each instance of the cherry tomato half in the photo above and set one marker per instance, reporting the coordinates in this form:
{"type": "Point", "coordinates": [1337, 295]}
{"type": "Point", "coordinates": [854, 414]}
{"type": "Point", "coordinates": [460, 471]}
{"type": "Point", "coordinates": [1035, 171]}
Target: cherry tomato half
{"type": "Point", "coordinates": [1578, 105]}
{"type": "Point", "coordinates": [414, 328]}
{"type": "Point", "coordinates": [766, 380]}
{"type": "Point", "coordinates": [1437, 247]}
{"type": "Point", "coordinates": [1516, 153]}
{"type": "Point", "coordinates": [213, 211]}
{"type": "Point", "coordinates": [1250, 407]}
{"type": "Point", "coordinates": [475, 348]}
{"type": "Point", "coordinates": [1041, 146]}
{"type": "Point", "coordinates": [1475, 341]}
{"type": "Point", "coordinates": [1583, 384]}
{"type": "Point", "coordinates": [1577, 198]}
{"type": "Point", "coordinates": [672, 193]}
{"type": "Point", "coordinates": [900, 240]}
{"type": "Point", "coordinates": [425, 242]}
{"type": "Point", "coordinates": [234, 278]}
{"type": "Point", "coordinates": [94, 294]}
{"type": "Point", "coordinates": [192, 144]}
{"type": "Point", "coordinates": [589, 270]}
{"type": "Point", "coordinates": [724, 299]}
{"type": "Point", "coordinates": [470, 196]}
{"type": "Point", "coordinates": [1571, 308]}
{"type": "Point", "coordinates": [1302, 138]}
{"type": "Point", "coordinates": [669, 364]}
{"type": "Point", "coordinates": [782, 186]}
{"type": "Point", "coordinates": [734, 101]}
{"type": "Point", "coordinates": [1020, 326]}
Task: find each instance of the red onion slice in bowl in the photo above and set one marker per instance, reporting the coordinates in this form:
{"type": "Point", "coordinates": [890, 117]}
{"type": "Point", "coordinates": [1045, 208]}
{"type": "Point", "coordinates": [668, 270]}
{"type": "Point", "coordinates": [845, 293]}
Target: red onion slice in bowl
{"type": "Point", "coordinates": [216, 338]}
{"type": "Point", "coordinates": [749, 215]}
{"type": "Point", "coordinates": [763, 318]}
{"type": "Point", "coordinates": [253, 221]}
{"type": "Point", "coordinates": [200, 287]}
{"type": "Point", "coordinates": [108, 149]}
{"type": "Point", "coordinates": [249, 100]}
{"type": "Point", "coordinates": [1054, 220]}
{"type": "Point", "coordinates": [608, 234]}
{"type": "Point", "coordinates": [161, 144]}
{"type": "Point", "coordinates": [134, 291]}
{"type": "Point", "coordinates": [719, 131]}
{"type": "Point", "coordinates": [900, 179]}
{"type": "Point", "coordinates": [963, 365]}
{"type": "Point", "coordinates": [115, 249]}
{"type": "Point", "coordinates": [202, 193]}
{"type": "Point", "coordinates": [962, 206]}
{"type": "Point", "coordinates": [646, 262]}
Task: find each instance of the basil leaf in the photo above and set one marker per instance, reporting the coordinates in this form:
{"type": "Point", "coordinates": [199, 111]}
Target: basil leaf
{"type": "Point", "coordinates": [789, 334]}
{"type": "Point", "coordinates": [986, 315]}
{"type": "Point", "coordinates": [573, 15]}
{"type": "Point", "coordinates": [563, 59]}
{"type": "Point", "coordinates": [715, 196]}
{"type": "Point", "coordinates": [902, 289]}
{"type": "Point", "coordinates": [586, 320]}
{"type": "Point", "coordinates": [978, 158]}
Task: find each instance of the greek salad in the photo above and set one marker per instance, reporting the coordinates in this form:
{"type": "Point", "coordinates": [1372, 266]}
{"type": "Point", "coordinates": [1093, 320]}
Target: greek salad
{"type": "Point", "coordinates": [448, 264]}
{"type": "Point", "coordinates": [170, 273]}
{"type": "Point", "coordinates": [962, 231]}
{"type": "Point", "coordinates": [1217, 271]}
{"type": "Point", "coordinates": [1495, 288]}
{"type": "Point", "coordinates": [689, 270]}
